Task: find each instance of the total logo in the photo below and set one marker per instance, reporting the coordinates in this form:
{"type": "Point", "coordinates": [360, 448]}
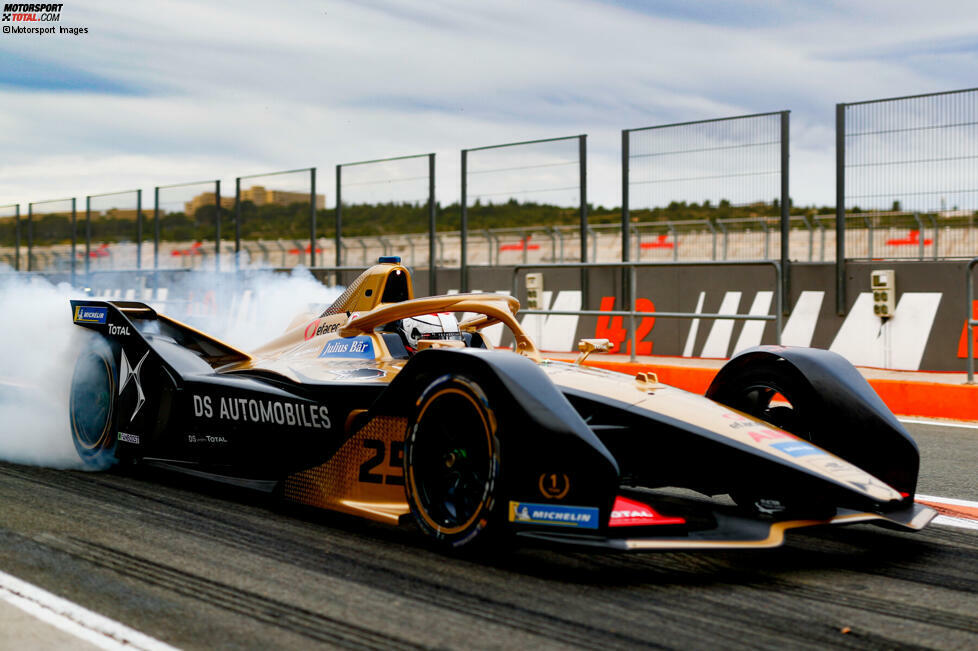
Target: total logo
{"type": "Point", "coordinates": [630, 513]}
{"type": "Point", "coordinates": [118, 330]}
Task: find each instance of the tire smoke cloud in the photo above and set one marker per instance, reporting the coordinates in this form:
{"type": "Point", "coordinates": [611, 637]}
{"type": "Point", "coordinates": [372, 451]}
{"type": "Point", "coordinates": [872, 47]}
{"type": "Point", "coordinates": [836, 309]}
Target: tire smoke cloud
{"type": "Point", "coordinates": [39, 344]}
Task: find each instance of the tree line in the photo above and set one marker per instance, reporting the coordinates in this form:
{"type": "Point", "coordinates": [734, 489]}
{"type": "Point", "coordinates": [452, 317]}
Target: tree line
{"type": "Point", "coordinates": [292, 221]}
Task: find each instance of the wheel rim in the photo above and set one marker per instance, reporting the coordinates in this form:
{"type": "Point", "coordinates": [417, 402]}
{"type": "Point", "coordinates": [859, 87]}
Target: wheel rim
{"type": "Point", "coordinates": [92, 396]}
{"type": "Point", "coordinates": [452, 461]}
{"type": "Point", "coordinates": [770, 403]}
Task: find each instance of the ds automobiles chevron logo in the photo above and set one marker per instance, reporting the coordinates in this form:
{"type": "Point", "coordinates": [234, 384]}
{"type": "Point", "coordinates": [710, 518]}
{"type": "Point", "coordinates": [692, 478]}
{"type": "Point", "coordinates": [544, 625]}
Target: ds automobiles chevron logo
{"type": "Point", "coordinates": [129, 373]}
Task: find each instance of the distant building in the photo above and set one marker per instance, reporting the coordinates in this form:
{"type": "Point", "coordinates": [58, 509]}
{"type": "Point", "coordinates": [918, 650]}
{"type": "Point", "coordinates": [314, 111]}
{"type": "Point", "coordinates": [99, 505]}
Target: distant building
{"type": "Point", "coordinates": [258, 195]}
{"type": "Point", "coordinates": [116, 213]}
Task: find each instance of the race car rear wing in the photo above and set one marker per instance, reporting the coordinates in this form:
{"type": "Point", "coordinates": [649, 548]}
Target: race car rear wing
{"type": "Point", "coordinates": [115, 318]}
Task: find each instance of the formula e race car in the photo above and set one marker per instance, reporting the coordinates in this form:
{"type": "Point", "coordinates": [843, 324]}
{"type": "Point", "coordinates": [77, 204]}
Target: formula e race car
{"type": "Point", "coordinates": [387, 407]}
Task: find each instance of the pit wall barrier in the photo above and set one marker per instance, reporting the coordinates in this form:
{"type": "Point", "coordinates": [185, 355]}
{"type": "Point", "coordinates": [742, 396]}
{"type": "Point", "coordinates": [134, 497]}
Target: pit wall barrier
{"type": "Point", "coordinates": [927, 332]}
{"type": "Point", "coordinates": [907, 396]}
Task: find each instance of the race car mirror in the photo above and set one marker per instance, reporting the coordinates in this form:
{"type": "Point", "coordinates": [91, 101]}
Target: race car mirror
{"type": "Point", "coordinates": [588, 346]}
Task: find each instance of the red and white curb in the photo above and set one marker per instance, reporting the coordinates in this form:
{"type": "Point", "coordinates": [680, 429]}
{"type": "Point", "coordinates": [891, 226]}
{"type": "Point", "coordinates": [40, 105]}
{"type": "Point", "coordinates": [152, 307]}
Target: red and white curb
{"type": "Point", "coordinates": [73, 619]}
{"type": "Point", "coordinates": [952, 512]}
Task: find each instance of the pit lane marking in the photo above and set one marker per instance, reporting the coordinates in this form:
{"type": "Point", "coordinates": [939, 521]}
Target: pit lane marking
{"type": "Point", "coordinates": [73, 619]}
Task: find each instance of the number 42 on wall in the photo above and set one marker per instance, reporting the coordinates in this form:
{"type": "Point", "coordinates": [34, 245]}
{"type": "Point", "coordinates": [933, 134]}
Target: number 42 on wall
{"type": "Point", "coordinates": [612, 329]}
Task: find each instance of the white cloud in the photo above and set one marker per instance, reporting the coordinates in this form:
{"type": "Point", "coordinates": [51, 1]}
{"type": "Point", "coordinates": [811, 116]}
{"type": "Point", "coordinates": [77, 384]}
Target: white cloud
{"type": "Point", "coordinates": [216, 90]}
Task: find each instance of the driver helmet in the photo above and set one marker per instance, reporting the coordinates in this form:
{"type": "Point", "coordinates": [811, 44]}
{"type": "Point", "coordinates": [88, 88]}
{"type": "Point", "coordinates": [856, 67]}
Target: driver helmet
{"type": "Point", "coordinates": [443, 325]}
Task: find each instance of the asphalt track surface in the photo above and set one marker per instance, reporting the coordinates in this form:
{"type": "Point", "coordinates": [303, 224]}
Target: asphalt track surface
{"type": "Point", "coordinates": [199, 566]}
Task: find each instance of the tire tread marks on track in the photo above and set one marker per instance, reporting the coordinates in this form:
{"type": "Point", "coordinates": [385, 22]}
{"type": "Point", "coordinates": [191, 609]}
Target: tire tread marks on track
{"type": "Point", "coordinates": [292, 618]}
{"type": "Point", "coordinates": [356, 568]}
{"type": "Point", "coordinates": [721, 618]}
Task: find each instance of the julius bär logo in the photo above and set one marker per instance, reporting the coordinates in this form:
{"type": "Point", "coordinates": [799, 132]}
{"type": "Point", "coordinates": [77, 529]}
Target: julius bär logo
{"type": "Point", "coordinates": [30, 13]}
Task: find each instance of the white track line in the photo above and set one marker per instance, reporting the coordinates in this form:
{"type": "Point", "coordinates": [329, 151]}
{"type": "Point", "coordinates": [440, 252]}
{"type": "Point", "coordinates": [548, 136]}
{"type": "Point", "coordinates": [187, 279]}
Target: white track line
{"type": "Point", "coordinates": [937, 423]}
{"type": "Point", "coordinates": [961, 523]}
{"type": "Point", "coordinates": [72, 618]}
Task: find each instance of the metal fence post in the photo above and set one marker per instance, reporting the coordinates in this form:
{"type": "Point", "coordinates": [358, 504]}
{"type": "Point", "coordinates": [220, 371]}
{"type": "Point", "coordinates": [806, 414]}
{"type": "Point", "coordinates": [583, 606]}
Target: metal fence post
{"type": "Point", "coordinates": [139, 229]}
{"type": "Point", "coordinates": [921, 236]}
{"type": "Point", "coordinates": [625, 225]}
{"type": "Point", "coordinates": [821, 243]}
{"type": "Point", "coordinates": [713, 238]}
{"type": "Point", "coordinates": [432, 218]}
{"type": "Point", "coordinates": [632, 282]}
{"type": "Point", "coordinates": [17, 237]}
{"type": "Point", "coordinates": [312, 217]}
{"type": "Point", "coordinates": [675, 241]}
{"type": "Point", "coordinates": [767, 238]}
{"type": "Point", "coordinates": [785, 205]}
{"type": "Point", "coordinates": [88, 235]}
{"type": "Point", "coordinates": [74, 238]}
{"type": "Point", "coordinates": [582, 161]}
{"type": "Point", "coordinates": [869, 235]}
{"type": "Point", "coordinates": [970, 320]}
{"type": "Point", "coordinates": [811, 236]}
{"type": "Point", "coordinates": [338, 222]}
{"type": "Point", "coordinates": [30, 237]}
{"type": "Point", "coordinates": [156, 228]}
{"type": "Point", "coordinates": [840, 209]}
{"type": "Point", "coordinates": [217, 226]}
{"type": "Point", "coordinates": [464, 226]}
{"type": "Point", "coordinates": [237, 223]}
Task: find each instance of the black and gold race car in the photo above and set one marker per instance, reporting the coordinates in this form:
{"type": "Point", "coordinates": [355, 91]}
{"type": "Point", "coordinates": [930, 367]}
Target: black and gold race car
{"type": "Point", "coordinates": [387, 407]}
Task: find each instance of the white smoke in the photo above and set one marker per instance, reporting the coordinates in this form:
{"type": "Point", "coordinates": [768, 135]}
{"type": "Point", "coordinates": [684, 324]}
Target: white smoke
{"type": "Point", "coordinates": [39, 343]}
{"type": "Point", "coordinates": [248, 310]}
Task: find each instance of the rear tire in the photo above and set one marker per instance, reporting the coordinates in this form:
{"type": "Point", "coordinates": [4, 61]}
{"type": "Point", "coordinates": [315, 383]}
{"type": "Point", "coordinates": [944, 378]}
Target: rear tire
{"type": "Point", "coordinates": [92, 405]}
{"type": "Point", "coordinates": [452, 464]}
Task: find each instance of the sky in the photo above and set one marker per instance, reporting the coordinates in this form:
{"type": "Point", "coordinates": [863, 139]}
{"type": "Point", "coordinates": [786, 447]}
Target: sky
{"type": "Point", "coordinates": [169, 92]}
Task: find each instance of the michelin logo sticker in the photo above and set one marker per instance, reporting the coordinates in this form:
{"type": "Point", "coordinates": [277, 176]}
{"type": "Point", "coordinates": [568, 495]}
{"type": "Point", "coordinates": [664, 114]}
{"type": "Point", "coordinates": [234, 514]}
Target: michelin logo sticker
{"type": "Point", "coordinates": [88, 314]}
{"type": "Point", "coordinates": [581, 517]}
{"type": "Point", "coordinates": [359, 347]}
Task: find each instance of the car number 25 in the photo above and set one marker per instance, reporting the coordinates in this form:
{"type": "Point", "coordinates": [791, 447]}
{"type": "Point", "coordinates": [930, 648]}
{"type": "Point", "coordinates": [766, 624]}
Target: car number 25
{"type": "Point", "coordinates": [393, 472]}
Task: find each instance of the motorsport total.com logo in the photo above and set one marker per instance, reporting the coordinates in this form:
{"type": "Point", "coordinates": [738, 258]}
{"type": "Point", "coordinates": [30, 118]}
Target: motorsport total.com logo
{"type": "Point", "coordinates": [31, 13]}
{"type": "Point", "coordinates": [35, 13]}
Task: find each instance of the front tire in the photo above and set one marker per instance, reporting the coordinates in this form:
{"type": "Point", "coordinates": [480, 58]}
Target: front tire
{"type": "Point", "coordinates": [775, 392]}
{"type": "Point", "coordinates": [771, 390]}
{"type": "Point", "coordinates": [92, 405]}
{"type": "Point", "coordinates": [452, 464]}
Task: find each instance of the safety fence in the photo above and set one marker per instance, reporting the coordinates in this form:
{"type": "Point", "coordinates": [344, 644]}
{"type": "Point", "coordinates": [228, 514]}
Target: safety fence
{"type": "Point", "coordinates": [10, 235]}
{"type": "Point", "coordinates": [113, 231]}
{"type": "Point", "coordinates": [869, 236]}
{"type": "Point", "coordinates": [705, 190]}
{"type": "Point", "coordinates": [915, 153]}
{"type": "Point", "coordinates": [381, 189]}
{"type": "Point", "coordinates": [498, 177]}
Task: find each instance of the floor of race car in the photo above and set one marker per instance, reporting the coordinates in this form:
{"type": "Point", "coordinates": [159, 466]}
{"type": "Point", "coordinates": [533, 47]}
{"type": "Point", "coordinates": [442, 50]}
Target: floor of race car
{"type": "Point", "coordinates": [198, 566]}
